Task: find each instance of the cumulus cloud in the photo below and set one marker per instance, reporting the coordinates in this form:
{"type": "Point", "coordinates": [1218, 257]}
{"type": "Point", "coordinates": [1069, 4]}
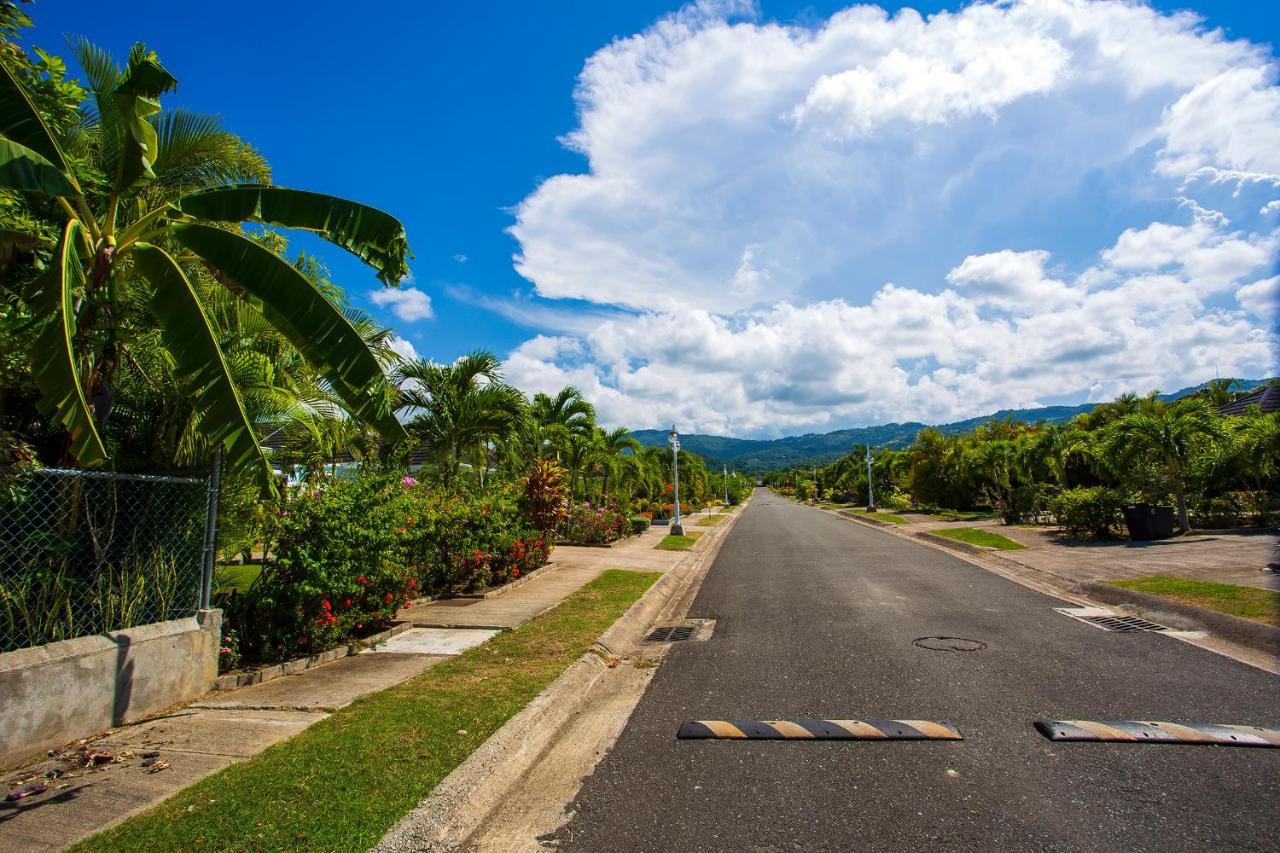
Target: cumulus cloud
{"type": "Point", "coordinates": [881, 217]}
{"type": "Point", "coordinates": [408, 303]}
{"type": "Point", "coordinates": [403, 347]}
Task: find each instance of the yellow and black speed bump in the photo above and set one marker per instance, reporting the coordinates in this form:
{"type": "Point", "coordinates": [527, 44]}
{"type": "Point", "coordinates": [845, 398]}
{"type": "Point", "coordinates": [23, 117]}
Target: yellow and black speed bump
{"type": "Point", "coordinates": [1147, 731]}
{"type": "Point", "coordinates": [817, 730]}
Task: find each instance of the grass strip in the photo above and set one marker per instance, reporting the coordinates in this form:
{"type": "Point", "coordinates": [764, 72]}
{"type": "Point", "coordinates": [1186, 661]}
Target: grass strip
{"type": "Point", "coordinates": [962, 515]}
{"type": "Point", "coordinates": [878, 516]}
{"type": "Point", "coordinates": [712, 520]}
{"type": "Point", "coordinates": [976, 536]}
{"type": "Point", "coordinates": [1247, 602]}
{"type": "Point", "coordinates": [671, 542]}
{"type": "Point", "coordinates": [341, 784]}
{"type": "Point", "coordinates": [229, 576]}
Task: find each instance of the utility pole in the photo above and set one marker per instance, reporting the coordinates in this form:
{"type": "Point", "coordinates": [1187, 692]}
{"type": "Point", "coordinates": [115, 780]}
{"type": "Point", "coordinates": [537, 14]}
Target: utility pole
{"type": "Point", "coordinates": [871, 497]}
{"type": "Point", "coordinates": [676, 528]}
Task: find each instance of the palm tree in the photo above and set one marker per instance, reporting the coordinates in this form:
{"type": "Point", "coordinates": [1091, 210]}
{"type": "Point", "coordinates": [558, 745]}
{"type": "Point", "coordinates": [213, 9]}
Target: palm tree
{"type": "Point", "coordinates": [143, 210]}
{"type": "Point", "coordinates": [1174, 438]}
{"type": "Point", "coordinates": [562, 418]}
{"type": "Point", "coordinates": [611, 448]}
{"type": "Point", "coordinates": [457, 410]}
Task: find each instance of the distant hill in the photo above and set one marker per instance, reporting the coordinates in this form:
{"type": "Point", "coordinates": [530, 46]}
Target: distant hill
{"type": "Point", "coordinates": [819, 449]}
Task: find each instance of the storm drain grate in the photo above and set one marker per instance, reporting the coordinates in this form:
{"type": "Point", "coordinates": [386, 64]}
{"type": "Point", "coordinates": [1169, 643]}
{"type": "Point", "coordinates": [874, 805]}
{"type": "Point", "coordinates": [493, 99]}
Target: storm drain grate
{"type": "Point", "coordinates": [670, 634]}
{"type": "Point", "coordinates": [1124, 624]}
{"type": "Point", "coordinates": [1109, 620]}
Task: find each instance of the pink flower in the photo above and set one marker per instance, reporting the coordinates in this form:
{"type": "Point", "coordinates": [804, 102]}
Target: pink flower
{"type": "Point", "coordinates": [409, 481]}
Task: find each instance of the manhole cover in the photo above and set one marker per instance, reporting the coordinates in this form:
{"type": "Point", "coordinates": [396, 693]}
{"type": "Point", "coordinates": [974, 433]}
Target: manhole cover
{"type": "Point", "coordinates": [949, 644]}
{"type": "Point", "coordinates": [670, 634]}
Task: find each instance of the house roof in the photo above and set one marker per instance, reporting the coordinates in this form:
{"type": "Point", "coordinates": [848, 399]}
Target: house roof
{"type": "Point", "coordinates": [1266, 397]}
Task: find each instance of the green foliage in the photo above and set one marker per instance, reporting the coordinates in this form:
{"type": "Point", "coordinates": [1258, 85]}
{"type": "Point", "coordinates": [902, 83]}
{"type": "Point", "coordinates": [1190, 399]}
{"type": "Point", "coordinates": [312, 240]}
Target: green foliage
{"type": "Point", "coordinates": [639, 524]}
{"type": "Point", "coordinates": [352, 553]}
{"type": "Point", "coordinates": [588, 524]}
{"type": "Point", "coordinates": [545, 501]}
{"type": "Point", "coordinates": [1088, 512]}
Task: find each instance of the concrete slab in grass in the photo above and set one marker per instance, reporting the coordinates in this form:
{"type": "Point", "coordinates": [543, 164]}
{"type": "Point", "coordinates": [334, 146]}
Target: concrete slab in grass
{"type": "Point", "coordinates": [434, 641]}
{"type": "Point", "coordinates": [328, 687]}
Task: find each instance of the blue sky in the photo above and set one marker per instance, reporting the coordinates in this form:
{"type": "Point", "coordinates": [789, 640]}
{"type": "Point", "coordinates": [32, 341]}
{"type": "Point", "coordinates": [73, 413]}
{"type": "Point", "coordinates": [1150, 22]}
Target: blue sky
{"type": "Point", "coordinates": [726, 286]}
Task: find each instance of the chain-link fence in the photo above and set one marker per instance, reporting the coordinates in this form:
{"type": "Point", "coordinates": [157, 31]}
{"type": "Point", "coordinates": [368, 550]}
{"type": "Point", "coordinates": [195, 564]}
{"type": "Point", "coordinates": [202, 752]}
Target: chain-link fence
{"type": "Point", "coordinates": [84, 552]}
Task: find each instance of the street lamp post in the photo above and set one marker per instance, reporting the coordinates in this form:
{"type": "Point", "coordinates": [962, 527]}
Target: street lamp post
{"type": "Point", "coordinates": [725, 474]}
{"type": "Point", "coordinates": [676, 528]}
{"type": "Point", "coordinates": [871, 498]}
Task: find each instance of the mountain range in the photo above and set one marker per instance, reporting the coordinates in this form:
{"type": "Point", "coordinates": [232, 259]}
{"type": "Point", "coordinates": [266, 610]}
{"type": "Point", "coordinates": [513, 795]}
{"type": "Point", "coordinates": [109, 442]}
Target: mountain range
{"type": "Point", "coordinates": [821, 448]}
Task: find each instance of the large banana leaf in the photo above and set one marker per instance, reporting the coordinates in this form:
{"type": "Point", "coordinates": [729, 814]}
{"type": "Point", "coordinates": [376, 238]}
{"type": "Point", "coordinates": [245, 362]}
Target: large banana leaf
{"type": "Point", "coordinates": [190, 340]}
{"type": "Point", "coordinates": [53, 363]}
{"type": "Point", "coordinates": [21, 122]}
{"type": "Point", "coordinates": [376, 237]}
{"type": "Point", "coordinates": [313, 324]}
{"type": "Point", "coordinates": [138, 99]}
{"type": "Point", "coordinates": [24, 170]}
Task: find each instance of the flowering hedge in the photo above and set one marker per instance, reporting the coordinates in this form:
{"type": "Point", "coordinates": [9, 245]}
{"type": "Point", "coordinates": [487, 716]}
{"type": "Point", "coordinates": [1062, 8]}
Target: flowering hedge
{"type": "Point", "coordinates": [351, 554]}
{"type": "Point", "coordinates": [588, 524]}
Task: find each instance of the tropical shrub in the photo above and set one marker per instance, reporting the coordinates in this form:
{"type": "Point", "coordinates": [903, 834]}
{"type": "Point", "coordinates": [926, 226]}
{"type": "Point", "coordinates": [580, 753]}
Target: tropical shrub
{"type": "Point", "coordinates": [588, 524]}
{"type": "Point", "coordinates": [895, 500]}
{"type": "Point", "coordinates": [546, 499]}
{"type": "Point", "coordinates": [1088, 512]}
{"type": "Point", "coordinates": [351, 554]}
{"type": "Point", "coordinates": [1233, 509]}
{"type": "Point", "coordinates": [639, 524]}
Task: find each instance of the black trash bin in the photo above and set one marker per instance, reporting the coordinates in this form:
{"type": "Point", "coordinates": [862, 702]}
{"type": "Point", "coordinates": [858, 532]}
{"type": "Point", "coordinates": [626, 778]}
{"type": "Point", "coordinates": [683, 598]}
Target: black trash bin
{"type": "Point", "coordinates": [1147, 522]}
{"type": "Point", "coordinates": [1162, 522]}
{"type": "Point", "coordinates": [1137, 517]}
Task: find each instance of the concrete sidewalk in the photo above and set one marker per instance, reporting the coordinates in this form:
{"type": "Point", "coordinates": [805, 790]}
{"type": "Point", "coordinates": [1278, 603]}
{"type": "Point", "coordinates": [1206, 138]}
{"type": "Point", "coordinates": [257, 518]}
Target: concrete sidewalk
{"type": "Point", "coordinates": [229, 726]}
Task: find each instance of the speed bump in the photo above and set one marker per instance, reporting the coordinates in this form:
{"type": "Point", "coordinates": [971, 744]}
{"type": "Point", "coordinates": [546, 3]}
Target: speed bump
{"type": "Point", "coordinates": [1148, 731]}
{"type": "Point", "coordinates": [817, 730]}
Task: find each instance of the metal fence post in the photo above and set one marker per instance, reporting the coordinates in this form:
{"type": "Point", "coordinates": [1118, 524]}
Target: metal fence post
{"type": "Point", "coordinates": [211, 529]}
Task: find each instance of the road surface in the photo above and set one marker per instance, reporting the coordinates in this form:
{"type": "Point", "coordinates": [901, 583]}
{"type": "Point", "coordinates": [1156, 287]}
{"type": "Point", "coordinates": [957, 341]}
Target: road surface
{"type": "Point", "coordinates": [816, 618]}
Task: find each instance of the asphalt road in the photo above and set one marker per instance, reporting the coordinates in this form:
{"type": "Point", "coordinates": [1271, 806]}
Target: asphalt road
{"type": "Point", "coordinates": [816, 617]}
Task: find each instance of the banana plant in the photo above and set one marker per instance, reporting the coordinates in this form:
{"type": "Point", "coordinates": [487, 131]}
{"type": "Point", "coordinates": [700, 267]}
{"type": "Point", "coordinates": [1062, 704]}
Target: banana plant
{"type": "Point", "coordinates": [119, 230]}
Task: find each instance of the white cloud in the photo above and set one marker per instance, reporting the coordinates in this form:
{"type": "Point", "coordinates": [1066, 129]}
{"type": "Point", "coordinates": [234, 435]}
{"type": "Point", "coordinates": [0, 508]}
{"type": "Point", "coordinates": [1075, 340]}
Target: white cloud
{"type": "Point", "coordinates": [403, 347]}
{"type": "Point", "coordinates": [1015, 281]}
{"type": "Point", "coordinates": [1262, 299]}
{"type": "Point", "coordinates": [407, 303]}
{"type": "Point", "coordinates": [750, 187]}
{"type": "Point", "coordinates": [1231, 121]}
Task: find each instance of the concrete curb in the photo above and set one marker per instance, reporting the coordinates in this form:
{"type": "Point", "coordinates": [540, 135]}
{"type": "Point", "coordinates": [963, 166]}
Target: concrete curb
{"type": "Point", "coordinates": [1254, 635]}
{"type": "Point", "coordinates": [466, 797]}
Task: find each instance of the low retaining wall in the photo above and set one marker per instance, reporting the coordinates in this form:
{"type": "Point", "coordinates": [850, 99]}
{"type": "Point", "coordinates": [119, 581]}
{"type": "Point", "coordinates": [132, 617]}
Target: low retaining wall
{"type": "Point", "coordinates": [53, 694]}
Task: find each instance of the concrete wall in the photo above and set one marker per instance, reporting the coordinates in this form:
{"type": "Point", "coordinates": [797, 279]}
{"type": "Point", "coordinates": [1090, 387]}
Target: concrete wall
{"type": "Point", "coordinates": [53, 694]}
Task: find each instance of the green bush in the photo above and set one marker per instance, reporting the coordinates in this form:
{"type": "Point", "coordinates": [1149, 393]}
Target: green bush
{"type": "Point", "coordinates": [1232, 509]}
{"type": "Point", "coordinates": [895, 500]}
{"type": "Point", "coordinates": [351, 554]}
{"type": "Point", "coordinates": [588, 524]}
{"type": "Point", "coordinates": [1089, 512]}
{"type": "Point", "coordinates": [639, 524]}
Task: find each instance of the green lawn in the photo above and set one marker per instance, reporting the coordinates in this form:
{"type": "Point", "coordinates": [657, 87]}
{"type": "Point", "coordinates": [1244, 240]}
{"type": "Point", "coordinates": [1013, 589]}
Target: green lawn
{"type": "Point", "coordinates": [1260, 605]}
{"type": "Point", "coordinates": [879, 516]}
{"type": "Point", "coordinates": [962, 515]}
{"type": "Point", "coordinates": [678, 543]}
{"type": "Point", "coordinates": [976, 536]}
{"type": "Point", "coordinates": [228, 576]}
{"type": "Point", "coordinates": [341, 784]}
{"type": "Point", "coordinates": [712, 520]}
